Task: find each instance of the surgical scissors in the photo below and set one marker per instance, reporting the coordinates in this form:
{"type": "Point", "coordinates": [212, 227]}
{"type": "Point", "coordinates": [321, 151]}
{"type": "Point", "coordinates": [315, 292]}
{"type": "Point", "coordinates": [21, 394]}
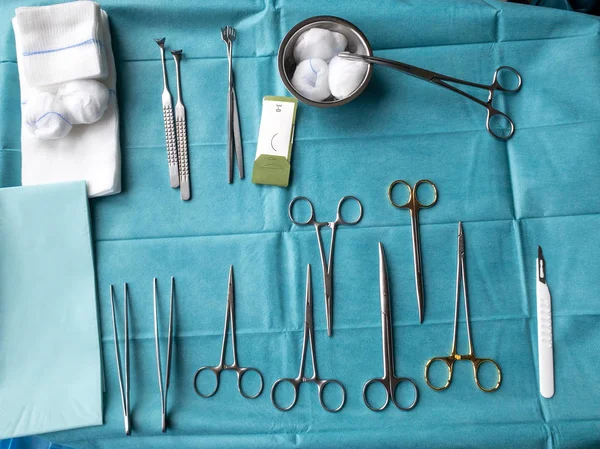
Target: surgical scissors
{"type": "Point", "coordinates": [223, 366]}
{"type": "Point", "coordinates": [413, 205]}
{"type": "Point", "coordinates": [389, 380]}
{"type": "Point", "coordinates": [327, 265]}
{"type": "Point", "coordinates": [308, 339]}
{"type": "Point", "coordinates": [443, 81]}
{"type": "Point", "coordinates": [461, 276]}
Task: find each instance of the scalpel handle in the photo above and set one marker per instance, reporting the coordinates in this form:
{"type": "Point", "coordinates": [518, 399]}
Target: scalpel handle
{"type": "Point", "coordinates": [171, 146]}
{"type": "Point", "coordinates": [182, 145]}
{"type": "Point", "coordinates": [545, 344]}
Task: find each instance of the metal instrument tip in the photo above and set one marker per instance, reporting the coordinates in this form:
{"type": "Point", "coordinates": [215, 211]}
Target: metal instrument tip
{"type": "Point", "coordinates": [540, 254]}
{"type": "Point", "coordinates": [176, 53]}
{"type": "Point", "coordinates": [160, 42]}
{"type": "Point", "coordinates": [460, 228]}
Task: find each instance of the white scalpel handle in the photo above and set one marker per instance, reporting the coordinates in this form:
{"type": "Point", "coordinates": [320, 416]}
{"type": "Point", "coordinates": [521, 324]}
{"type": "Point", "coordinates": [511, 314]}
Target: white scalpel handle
{"type": "Point", "coordinates": [545, 350]}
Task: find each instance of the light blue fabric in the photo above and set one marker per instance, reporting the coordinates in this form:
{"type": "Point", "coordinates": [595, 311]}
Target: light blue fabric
{"type": "Point", "coordinates": [50, 352]}
{"type": "Point", "coordinates": [538, 188]}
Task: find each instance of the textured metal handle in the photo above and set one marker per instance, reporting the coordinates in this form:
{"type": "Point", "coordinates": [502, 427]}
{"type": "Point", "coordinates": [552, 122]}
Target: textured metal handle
{"type": "Point", "coordinates": [171, 146]}
{"type": "Point", "coordinates": [184, 165]}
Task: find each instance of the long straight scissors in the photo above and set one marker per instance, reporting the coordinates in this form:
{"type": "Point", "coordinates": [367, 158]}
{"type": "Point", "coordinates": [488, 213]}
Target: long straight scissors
{"type": "Point", "coordinates": [234, 366]}
{"type": "Point", "coordinates": [389, 380]}
{"type": "Point", "coordinates": [327, 265]}
{"type": "Point", "coordinates": [307, 340]}
{"type": "Point", "coordinates": [413, 205]}
{"type": "Point", "coordinates": [461, 276]}
{"type": "Point", "coordinates": [443, 81]}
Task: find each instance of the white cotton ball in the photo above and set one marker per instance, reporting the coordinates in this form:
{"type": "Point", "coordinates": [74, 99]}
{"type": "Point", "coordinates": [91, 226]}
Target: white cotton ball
{"type": "Point", "coordinates": [340, 42]}
{"type": "Point", "coordinates": [46, 116]}
{"type": "Point", "coordinates": [345, 76]}
{"type": "Point", "coordinates": [86, 100]}
{"type": "Point", "coordinates": [316, 43]}
{"type": "Point", "coordinates": [311, 79]}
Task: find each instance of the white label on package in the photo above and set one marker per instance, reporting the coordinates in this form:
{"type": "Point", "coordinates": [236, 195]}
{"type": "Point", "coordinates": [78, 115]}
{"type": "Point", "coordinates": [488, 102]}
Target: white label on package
{"type": "Point", "coordinates": [276, 128]}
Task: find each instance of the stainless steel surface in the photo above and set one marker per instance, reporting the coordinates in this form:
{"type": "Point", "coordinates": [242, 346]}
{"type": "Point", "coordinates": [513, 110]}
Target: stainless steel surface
{"type": "Point", "coordinates": [223, 366]}
{"type": "Point", "coordinates": [163, 390]}
{"type": "Point", "coordinates": [234, 137]}
{"type": "Point", "coordinates": [123, 374]}
{"type": "Point", "coordinates": [326, 263]}
{"type": "Point", "coordinates": [476, 362]}
{"type": "Point", "coordinates": [167, 104]}
{"type": "Point", "coordinates": [389, 381]}
{"type": "Point", "coordinates": [308, 341]}
{"type": "Point", "coordinates": [357, 43]}
{"type": "Point", "coordinates": [414, 205]}
{"type": "Point", "coordinates": [443, 81]}
{"type": "Point", "coordinates": [181, 126]}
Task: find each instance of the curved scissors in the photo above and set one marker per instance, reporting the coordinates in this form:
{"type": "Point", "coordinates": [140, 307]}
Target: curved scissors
{"type": "Point", "coordinates": [443, 81]}
{"type": "Point", "coordinates": [308, 339]}
{"type": "Point", "coordinates": [327, 266]}
{"type": "Point", "coordinates": [414, 205]}
{"type": "Point", "coordinates": [222, 366]}
{"type": "Point", "coordinates": [389, 380]}
{"type": "Point", "coordinates": [453, 357]}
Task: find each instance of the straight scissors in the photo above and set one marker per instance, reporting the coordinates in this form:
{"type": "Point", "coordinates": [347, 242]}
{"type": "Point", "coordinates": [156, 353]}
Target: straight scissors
{"type": "Point", "coordinates": [413, 205]}
{"type": "Point", "coordinates": [222, 366]}
{"type": "Point", "coordinates": [443, 81]}
{"type": "Point", "coordinates": [327, 266]}
{"type": "Point", "coordinates": [389, 381]}
{"type": "Point", "coordinates": [453, 357]}
{"type": "Point", "coordinates": [308, 339]}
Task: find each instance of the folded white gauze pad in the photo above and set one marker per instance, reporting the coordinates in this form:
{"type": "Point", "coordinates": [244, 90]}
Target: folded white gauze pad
{"type": "Point", "coordinates": [345, 76]}
{"type": "Point", "coordinates": [311, 79]}
{"type": "Point", "coordinates": [85, 100]}
{"type": "Point", "coordinates": [319, 43]}
{"type": "Point", "coordinates": [45, 116]}
{"type": "Point", "coordinates": [60, 43]}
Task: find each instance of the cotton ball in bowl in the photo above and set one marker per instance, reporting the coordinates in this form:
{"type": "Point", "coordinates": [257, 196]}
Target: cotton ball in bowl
{"type": "Point", "coordinates": [316, 43]}
{"type": "Point", "coordinates": [340, 42]}
{"type": "Point", "coordinates": [345, 75]}
{"type": "Point", "coordinates": [311, 79]}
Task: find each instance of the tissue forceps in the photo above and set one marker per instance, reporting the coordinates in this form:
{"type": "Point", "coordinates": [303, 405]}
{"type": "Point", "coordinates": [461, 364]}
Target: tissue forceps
{"type": "Point", "coordinates": [234, 137]}
{"type": "Point", "coordinates": [308, 340]}
{"type": "Point", "coordinates": [443, 81]}
{"type": "Point", "coordinates": [123, 384]}
{"type": "Point", "coordinates": [326, 264]}
{"type": "Point", "coordinates": [461, 276]}
{"type": "Point", "coordinates": [163, 390]}
{"type": "Point", "coordinates": [413, 205]}
{"type": "Point", "coordinates": [167, 104]}
{"type": "Point", "coordinates": [389, 380]}
{"type": "Point", "coordinates": [222, 366]}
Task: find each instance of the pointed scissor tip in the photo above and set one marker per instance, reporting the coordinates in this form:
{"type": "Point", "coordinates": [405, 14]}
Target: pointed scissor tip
{"type": "Point", "coordinates": [160, 42]}
{"type": "Point", "coordinates": [230, 274]}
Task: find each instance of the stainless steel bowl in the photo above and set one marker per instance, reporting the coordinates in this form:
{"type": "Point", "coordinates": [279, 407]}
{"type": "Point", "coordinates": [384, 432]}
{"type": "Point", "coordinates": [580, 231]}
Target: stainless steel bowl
{"type": "Point", "coordinates": [357, 43]}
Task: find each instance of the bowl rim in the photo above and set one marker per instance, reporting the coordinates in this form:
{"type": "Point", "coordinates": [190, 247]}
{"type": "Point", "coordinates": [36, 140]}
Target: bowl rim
{"type": "Point", "coordinates": [286, 80]}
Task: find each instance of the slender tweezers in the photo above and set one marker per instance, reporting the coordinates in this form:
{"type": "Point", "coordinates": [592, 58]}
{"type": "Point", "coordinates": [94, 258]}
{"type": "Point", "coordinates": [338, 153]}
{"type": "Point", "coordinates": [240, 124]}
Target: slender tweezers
{"type": "Point", "coordinates": [123, 384]}
{"type": "Point", "coordinates": [164, 390]}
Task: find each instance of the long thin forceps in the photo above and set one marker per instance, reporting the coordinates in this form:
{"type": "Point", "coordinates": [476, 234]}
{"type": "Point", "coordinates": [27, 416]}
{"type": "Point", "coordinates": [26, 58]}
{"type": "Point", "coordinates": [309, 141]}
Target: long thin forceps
{"type": "Point", "coordinates": [234, 137]}
{"type": "Point", "coordinates": [454, 356]}
{"type": "Point", "coordinates": [123, 380]}
{"type": "Point", "coordinates": [326, 264]}
{"type": "Point", "coordinates": [389, 380]}
{"type": "Point", "coordinates": [443, 81]}
{"type": "Point", "coordinates": [307, 340]}
{"type": "Point", "coordinates": [413, 205]}
{"type": "Point", "coordinates": [223, 366]}
{"type": "Point", "coordinates": [163, 390]}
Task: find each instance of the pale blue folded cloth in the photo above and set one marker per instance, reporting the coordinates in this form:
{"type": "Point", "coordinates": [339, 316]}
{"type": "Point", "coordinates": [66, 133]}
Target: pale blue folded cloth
{"type": "Point", "coordinates": [50, 366]}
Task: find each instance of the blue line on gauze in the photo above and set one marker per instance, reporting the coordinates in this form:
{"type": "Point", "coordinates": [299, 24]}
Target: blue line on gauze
{"type": "Point", "coordinates": [54, 50]}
